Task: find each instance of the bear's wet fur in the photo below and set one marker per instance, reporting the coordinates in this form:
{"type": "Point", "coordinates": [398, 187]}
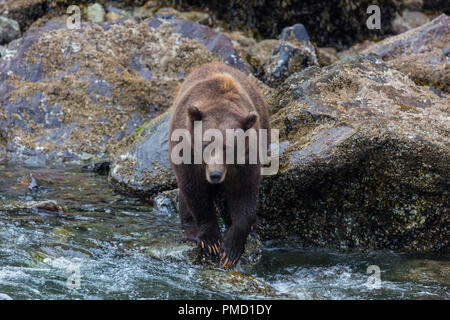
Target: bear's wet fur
{"type": "Point", "coordinates": [222, 98]}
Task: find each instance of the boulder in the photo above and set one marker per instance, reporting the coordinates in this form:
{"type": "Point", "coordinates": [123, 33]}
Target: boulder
{"type": "Point", "coordinates": [74, 95]}
{"type": "Point", "coordinates": [422, 53]}
{"type": "Point", "coordinates": [261, 51]}
{"type": "Point", "coordinates": [144, 169]}
{"type": "Point", "coordinates": [254, 54]}
{"type": "Point", "coordinates": [364, 160]}
{"type": "Point", "coordinates": [294, 53]}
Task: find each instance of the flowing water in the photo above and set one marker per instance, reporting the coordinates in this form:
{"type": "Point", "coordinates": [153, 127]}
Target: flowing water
{"type": "Point", "coordinates": [64, 234]}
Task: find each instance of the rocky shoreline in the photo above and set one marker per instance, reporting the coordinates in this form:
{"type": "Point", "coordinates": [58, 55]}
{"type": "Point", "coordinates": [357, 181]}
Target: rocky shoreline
{"type": "Point", "coordinates": [363, 115]}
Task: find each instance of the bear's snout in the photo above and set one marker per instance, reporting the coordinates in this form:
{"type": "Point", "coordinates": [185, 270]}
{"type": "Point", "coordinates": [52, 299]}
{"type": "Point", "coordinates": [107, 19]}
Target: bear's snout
{"type": "Point", "coordinates": [215, 176]}
{"type": "Point", "coordinates": [215, 173]}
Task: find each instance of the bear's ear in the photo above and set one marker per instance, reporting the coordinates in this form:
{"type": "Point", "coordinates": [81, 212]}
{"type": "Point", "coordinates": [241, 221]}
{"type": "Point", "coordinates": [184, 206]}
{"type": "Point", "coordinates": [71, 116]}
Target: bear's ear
{"type": "Point", "coordinates": [250, 120]}
{"type": "Point", "coordinates": [194, 113]}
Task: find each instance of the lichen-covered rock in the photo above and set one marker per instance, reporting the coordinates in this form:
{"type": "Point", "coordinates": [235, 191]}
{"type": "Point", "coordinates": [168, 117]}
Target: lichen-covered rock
{"type": "Point", "coordinates": [111, 16]}
{"type": "Point", "coordinates": [423, 53]}
{"type": "Point", "coordinates": [254, 54]}
{"type": "Point", "coordinates": [78, 94]}
{"type": "Point", "coordinates": [9, 30]}
{"type": "Point", "coordinates": [364, 160]}
{"type": "Point", "coordinates": [262, 51]}
{"type": "Point", "coordinates": [294, 53]}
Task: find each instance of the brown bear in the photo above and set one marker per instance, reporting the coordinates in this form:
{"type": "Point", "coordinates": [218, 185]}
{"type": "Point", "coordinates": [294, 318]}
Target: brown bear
{"type": "Point", "coordinates": [222, 98]}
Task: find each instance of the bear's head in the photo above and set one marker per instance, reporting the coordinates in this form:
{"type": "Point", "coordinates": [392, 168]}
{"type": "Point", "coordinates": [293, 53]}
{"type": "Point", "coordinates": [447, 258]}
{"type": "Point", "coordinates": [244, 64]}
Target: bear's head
{"type": "Point", "coordinates": [217, 128]}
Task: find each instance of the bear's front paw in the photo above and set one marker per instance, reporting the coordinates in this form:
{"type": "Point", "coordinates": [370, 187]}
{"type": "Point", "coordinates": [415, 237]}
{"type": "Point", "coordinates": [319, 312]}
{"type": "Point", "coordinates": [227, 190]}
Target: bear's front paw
{"type": "Point", "coordinates": [232, 247]}
{"type": "Point", "coordinates": [208, 238]}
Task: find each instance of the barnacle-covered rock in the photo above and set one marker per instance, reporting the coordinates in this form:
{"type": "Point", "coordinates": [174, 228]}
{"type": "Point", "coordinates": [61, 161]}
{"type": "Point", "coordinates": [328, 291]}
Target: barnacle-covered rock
{"type": "Point", "coordinates": [81, 94]}
{"type": "Point", "coordinates": [422, 53]}
{"type": "Point", "coordinates": [364, 161]}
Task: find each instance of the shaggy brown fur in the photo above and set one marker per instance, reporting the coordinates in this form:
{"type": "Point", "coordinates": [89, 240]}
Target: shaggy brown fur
{"type": "Point", "coordinates": [222, 98]}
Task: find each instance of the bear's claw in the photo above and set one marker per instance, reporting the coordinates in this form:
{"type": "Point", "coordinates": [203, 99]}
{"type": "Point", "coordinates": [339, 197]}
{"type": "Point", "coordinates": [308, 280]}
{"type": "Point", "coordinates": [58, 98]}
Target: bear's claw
{"type": "Point", "coordinates": [208, 238]}
{"type": "Point", "coordinates": [212, 247]}
{"type": "Point", "coordinates": [229, 258]}
{"type": "Point", "coordinates": [232, 247]}
{"type": "Point", "coordinates": [228, 263]}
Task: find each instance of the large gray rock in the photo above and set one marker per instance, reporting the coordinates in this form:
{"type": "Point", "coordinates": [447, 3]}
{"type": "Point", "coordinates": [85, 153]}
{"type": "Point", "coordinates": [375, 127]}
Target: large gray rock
{"type": "Point", "coordinates": [9, 30]}
{"type": "Point", "coordinates": [81, 94]}
{"type": "Point", "coordinates": [144, 169]}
